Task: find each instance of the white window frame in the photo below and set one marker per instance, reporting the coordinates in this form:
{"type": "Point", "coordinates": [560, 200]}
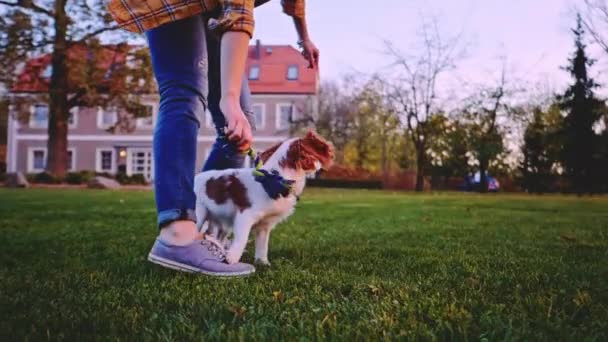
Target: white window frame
{"type": "Point", "coordinates": [30, 159]}
{"type": "Point", "coordinates": [73, 150]}
{"type": "Point", "coordinates": [100, 112]}
{"type": "Point", "coordinates": [98, 159]}
{"type": "Point", "coordinates": [254, 67]}
{"type": "Point", "coordinates": [139, 122]}
{"type": "Point", "coordinates": [260, 125]}
{"type": "Point", "coordinates": [33, 110]}
{"type": "Point", "coordinates": [74, 111]}
{"type": "Point", "coordinates": [297, 68]}
{"type": "Point", "coordinates": [47, 72]}
{"type": "Point", "coordinates": [129, 165]}
{"type": "Point", "coordinates": [278, 114]}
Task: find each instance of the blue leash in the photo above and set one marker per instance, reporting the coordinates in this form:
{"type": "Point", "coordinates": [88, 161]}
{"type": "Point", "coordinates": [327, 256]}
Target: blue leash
{"type": "Point", "coordinates": [273, 183]}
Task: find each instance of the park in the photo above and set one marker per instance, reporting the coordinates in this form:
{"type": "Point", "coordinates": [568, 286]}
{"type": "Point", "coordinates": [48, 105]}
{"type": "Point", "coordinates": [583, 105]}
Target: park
{"type": "Point", "coordinates": [447, 163]}
{"type": "Point", "coordinates": [351, 264]}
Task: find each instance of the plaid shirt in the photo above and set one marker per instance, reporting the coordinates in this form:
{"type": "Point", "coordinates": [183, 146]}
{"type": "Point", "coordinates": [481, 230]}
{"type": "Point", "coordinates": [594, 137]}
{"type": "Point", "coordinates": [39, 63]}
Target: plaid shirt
{"type": "Point", "coordinates": [236, 15]}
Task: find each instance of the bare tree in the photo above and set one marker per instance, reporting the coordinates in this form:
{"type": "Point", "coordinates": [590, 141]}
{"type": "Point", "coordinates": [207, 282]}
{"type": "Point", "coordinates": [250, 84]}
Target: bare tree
{"type": "Point", "coordinates": [488, 114]}
{"type": "Point", "coordinates": [415, 89]}
{"type": "Point", "coordinates": [595, 19]}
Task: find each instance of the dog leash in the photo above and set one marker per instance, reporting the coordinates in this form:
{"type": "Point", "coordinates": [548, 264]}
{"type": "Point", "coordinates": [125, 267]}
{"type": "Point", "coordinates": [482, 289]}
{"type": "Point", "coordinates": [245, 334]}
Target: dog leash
{"type": "Point", "coordinates": [273, 183]}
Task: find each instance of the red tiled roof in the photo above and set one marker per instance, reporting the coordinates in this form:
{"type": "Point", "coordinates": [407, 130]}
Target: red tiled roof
{"type": "Point", "coordinates": [273, 61]}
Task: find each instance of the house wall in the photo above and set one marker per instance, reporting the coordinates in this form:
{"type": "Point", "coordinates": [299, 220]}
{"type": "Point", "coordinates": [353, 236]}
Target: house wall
{"type": "Point", "coordinates": [86, 137]}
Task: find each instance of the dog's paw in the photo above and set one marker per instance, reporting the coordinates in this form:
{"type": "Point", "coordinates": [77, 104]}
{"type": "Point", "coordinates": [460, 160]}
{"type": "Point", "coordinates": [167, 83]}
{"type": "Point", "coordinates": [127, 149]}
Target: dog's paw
{"type": "Point", "coordinates": [232, 257]}
{"type": "Point", "coordinates": [262, 262]}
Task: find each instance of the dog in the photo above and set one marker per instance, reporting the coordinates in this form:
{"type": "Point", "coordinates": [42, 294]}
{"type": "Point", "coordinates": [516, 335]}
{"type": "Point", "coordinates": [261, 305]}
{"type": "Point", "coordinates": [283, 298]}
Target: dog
{"type": "Point", "coordinates": [239, 200]}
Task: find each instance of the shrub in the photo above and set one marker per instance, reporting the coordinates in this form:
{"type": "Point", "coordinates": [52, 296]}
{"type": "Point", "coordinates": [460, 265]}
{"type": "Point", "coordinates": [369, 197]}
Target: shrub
{"type": "Point", "coordinates": [2, 177]}
{"type": "Point", "coordinates": [46, 178]}
{"type": "Point", "coordinates": [138, 179]}
{"type": "Point", "coordinates": [73, 178]}
{"type": "Point", "coordinates": [345, 183]}
{"type": "Point", "coordinates": [81, 177]}
{"type": "Point", "coordinates": [123, 179]}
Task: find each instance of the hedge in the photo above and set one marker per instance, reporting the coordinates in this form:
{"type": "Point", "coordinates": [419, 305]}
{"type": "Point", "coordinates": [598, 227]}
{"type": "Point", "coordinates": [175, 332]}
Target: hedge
{"type": "Point", "coordinates": [342, 183]}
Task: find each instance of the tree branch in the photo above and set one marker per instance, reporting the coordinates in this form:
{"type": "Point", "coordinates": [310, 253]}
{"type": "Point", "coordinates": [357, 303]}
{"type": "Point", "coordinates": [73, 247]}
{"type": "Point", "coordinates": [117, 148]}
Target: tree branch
{"type": "Point", "coordinates": [30, 5]}
{"type": "Point", "coordinates": [98, 32]}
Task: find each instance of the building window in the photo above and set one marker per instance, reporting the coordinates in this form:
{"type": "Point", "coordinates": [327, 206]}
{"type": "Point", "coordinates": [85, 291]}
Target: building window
{"type": "Point", "coordinates": [47, 72]}
{"type": "Point", "coordinates": [292, 72]}
{"type": "Point", "coordinates": [254, 72]}
{"type": "Point", "coordinates": [140, 162]}
{"type": "Point", "coordinates": [36, 160]}
{"type": "Point", "coordinates": [71, 159]}
{"type": "Point", "coordinates": [105, 160]}
{"type": "Point", "coordinates": [73, 118]}
{"type": "Point", "coordinates": [39, 117]}
{"type": "Point", "coordinates": [148, 120]}
{"type": "Point", "coordinates": [283, 118]}
{"type": "Point", "coordinates": [260, 115]}
{"type": "Point", "coordinates": [107, 117]}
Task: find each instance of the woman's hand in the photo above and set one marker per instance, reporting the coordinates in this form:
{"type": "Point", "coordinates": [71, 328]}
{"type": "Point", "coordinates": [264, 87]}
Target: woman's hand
{"type": "Point", "coordinates": [311, 53]}
{"type": "Point", "coordinates": [239, 130]}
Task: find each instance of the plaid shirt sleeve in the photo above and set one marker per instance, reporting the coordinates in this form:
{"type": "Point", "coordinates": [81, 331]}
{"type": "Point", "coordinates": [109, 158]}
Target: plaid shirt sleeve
{"type": "Point", "coordinates": [237, 15]}
{"type": "Point", "coordinates": [143, 15]}
{"type": "Point", "coordinates": [294, 8]}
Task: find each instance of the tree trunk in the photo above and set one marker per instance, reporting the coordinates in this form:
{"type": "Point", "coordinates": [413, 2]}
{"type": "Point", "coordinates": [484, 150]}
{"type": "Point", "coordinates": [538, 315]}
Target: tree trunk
{"type": "Point", "coordinates": [57, 147]}
{"type": "Point", "coordinates": [384, 160]}
{"type": "Point", "coordinates": [421, 159]}
{"type": "Point", "coordinates": [483, 179]}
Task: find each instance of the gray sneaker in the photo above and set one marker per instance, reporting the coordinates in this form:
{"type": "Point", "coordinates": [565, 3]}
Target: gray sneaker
{"type": "Point", "coordinates": [203, 256]}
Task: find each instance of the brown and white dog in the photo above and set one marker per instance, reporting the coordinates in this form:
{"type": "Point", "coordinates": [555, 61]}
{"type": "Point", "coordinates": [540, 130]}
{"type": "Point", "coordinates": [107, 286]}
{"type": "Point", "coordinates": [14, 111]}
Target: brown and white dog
{"type": "Point", "coordinates": [233, 201]}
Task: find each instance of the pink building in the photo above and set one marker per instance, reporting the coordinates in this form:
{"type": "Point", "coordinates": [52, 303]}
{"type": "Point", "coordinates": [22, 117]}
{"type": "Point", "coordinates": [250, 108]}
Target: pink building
{"type": "Point", "coordinates": [280, 82]}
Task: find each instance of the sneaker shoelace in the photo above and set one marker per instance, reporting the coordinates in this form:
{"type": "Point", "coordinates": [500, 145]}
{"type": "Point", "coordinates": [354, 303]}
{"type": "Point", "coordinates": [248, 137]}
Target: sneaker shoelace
{"type": "Point", "coordinates": [215, 248]}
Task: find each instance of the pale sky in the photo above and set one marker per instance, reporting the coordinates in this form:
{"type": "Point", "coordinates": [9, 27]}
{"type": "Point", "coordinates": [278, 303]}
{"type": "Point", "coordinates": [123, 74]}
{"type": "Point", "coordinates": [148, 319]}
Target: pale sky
{"type": "Point", "coordinates": [534, 35]}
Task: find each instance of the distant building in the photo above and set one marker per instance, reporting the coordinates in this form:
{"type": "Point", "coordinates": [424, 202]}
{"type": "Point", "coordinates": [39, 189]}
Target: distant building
{"type": "Point", "coordinates": [280, 83]}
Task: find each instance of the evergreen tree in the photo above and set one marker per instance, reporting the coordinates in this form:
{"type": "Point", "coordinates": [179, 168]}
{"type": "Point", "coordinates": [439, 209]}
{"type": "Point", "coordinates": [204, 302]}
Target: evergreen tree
{"type": "Point", "coordinates": [583, 109]}
{"type": "Point", "coordinates": [540, 150]}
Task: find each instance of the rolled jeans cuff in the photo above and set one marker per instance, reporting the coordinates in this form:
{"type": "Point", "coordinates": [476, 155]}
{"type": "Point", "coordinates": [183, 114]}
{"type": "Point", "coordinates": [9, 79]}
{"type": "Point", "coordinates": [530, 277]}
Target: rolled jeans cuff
{"type": "Point", "coordinates": [165, 217]}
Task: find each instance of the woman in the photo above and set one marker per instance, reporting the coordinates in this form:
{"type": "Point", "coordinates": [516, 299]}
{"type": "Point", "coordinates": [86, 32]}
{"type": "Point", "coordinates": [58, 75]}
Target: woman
{"type": "Point", "coordinates": [189, 65]}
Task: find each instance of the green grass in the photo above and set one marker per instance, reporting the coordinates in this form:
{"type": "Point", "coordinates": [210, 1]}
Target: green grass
{"type": "Point", "coordinates": [348, 264]}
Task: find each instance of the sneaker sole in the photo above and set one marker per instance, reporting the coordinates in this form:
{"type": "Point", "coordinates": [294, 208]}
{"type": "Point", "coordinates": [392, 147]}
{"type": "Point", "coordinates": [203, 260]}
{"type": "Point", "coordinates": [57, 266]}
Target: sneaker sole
{"type": "Point", "coordinates": [190, 269]}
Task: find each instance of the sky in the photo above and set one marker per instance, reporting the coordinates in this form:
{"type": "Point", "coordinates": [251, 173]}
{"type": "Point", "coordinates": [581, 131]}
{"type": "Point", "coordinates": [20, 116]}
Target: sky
{"type": "Point", "coordinates": [533, 36]}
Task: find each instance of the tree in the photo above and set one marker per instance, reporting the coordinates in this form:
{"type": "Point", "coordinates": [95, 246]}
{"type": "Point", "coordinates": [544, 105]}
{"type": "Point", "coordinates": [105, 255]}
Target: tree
{"type": "Point", "coordinates": [375, 127]}
{"type": "Point", "coordinates": [448, 149]}
{"type": "Point", "coordinates": [596, 21]}
{"type": "Point", "coordinates": [486, 115]}
{"type": "Point", "coordinates": [59, 27]}
{"type": "Point", "coordinates": [414, 89]}
{"type": "Point", "coordinates": [583, 110]}
{"type": "Point", "coordinates": [540, 150]}
{"type": "Point", "coordinates": [335, 117]}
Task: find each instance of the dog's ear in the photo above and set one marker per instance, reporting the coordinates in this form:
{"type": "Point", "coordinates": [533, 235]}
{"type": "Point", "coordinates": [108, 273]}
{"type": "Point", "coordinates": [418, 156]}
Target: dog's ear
{"type": "Point", "coordinates": [319, 148]}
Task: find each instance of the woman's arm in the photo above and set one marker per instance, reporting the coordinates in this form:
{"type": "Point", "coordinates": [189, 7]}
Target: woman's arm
{"type": "Point", "coordinates": [233, 54]}
{"type": "Point", "coordinates": [309, 50]}
{"type": "Point", "coordinates": [297, 10]}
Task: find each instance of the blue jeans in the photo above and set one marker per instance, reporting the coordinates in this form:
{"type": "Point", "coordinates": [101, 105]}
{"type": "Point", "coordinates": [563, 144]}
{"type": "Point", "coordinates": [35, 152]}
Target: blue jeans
{"type": "Point", "coordinates": [185, 60]}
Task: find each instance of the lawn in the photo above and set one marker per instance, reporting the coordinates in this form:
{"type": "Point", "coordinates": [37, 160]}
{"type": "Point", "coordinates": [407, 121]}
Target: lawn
{"type": "Point", "coordinates": [347, 265]}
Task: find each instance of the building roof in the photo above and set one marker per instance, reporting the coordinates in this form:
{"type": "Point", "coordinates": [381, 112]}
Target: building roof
{"type": "Point", "coordinates": [272, 61]}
